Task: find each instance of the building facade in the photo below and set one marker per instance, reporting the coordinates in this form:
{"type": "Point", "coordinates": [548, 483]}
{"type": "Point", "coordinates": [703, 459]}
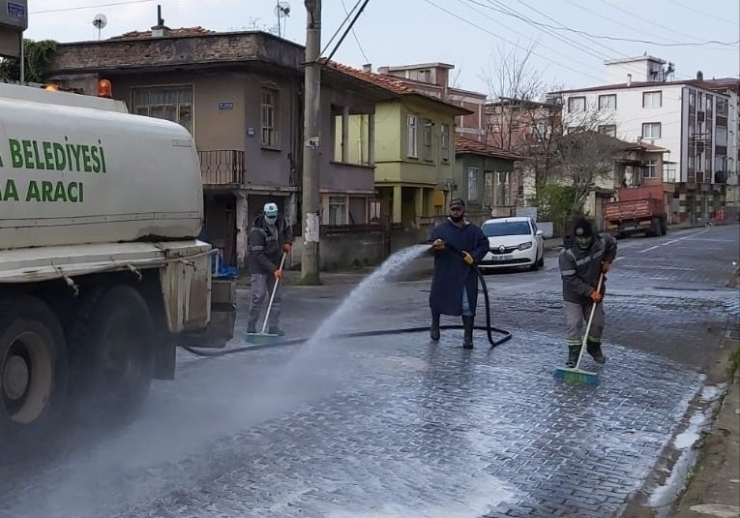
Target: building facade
{"type": "Point", "coordinates": [240, 95]}
{"type": "Point", "coordinates": [414, 148]}
{"type": "Point", "coordinates": [434, 79]}
{"type": "Point", "coordinates": [691, 119]}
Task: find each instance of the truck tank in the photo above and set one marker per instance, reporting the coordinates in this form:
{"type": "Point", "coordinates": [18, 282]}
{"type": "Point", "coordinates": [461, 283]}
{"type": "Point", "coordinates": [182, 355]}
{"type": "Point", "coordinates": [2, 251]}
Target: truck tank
{"type": "Point", "coordinates": [67, 176]}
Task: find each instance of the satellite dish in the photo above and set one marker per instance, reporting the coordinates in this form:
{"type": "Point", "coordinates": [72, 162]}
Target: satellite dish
{"type": "Point", "coordinates": [99, 22]}
{"type": "Point", "coordinates": [282, 9]}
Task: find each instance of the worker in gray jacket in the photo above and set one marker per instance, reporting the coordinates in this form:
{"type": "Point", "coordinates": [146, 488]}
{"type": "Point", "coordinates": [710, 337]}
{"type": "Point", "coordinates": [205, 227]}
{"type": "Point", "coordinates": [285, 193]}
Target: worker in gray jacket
{"type": "Point", "coordinates": [269, 237]}
{"type": "Point", "coordinates": [583, 258]}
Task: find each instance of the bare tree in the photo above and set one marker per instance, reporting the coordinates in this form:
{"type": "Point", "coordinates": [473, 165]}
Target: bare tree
{"type": "Point", "coordinates": [582, 160]}
{"type": "Point", "coordinates": [511, 81]}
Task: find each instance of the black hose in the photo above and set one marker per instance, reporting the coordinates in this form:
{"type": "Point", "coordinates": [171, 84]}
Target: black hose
{"type": "Point", "coordinates": [488, 328]}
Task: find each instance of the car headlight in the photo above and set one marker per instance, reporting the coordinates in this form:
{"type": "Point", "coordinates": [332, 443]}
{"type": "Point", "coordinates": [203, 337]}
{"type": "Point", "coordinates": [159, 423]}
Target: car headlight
{"type": "Point", "coordinates": [525, 246]}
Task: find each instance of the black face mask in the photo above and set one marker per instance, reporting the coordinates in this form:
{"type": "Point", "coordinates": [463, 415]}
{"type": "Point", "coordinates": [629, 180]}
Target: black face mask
{"type": "Point", "coordinates": [456, 219]}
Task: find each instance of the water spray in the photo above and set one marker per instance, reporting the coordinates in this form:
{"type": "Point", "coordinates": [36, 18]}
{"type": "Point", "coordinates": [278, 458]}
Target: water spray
{"type": "Point", "coordinates": [488, 327]}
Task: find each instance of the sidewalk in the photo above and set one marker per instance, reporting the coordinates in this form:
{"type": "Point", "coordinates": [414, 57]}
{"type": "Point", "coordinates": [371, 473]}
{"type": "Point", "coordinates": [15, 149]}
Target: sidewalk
{"type": "Point", "coordinates": [713, 489]}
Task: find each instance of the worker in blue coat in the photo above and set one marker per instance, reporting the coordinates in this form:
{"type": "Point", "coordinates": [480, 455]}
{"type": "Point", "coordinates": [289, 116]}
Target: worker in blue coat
{"type": "Point", "coordinates": [455, 284]}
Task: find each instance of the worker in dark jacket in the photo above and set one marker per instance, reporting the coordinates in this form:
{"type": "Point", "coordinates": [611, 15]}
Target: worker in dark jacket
{"type": "Point", "coordinates": [584, 257]}
{"type": "Point", "coordinates": [269, 238]}
{"type": "Point", "coordinates": [455, 284]}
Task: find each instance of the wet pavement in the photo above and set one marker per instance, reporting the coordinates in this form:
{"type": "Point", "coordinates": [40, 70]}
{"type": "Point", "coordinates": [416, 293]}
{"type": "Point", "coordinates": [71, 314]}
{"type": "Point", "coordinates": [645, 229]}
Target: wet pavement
{"type": "Point", "coordinates": [395, 426]}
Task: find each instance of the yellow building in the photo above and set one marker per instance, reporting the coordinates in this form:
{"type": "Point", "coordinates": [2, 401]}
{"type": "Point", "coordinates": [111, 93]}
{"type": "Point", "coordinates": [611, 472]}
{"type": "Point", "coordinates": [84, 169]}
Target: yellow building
{"type": "Point", "coordinates": [412, 147]}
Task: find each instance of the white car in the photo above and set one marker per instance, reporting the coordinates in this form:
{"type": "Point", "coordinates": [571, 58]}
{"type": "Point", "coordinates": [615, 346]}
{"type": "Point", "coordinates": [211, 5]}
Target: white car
{"type": "Point", "coordinates": [513, 242]}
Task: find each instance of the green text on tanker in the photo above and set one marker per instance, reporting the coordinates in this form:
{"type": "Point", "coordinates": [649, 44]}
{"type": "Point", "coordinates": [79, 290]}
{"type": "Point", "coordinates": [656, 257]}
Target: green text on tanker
{"type": "Point", "coordinates": [54, 156]}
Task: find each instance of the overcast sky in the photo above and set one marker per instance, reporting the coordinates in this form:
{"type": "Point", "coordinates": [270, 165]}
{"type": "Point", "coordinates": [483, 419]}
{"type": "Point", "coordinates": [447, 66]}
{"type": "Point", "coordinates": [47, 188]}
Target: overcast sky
{"type": "Point", "coordinates": [464, 33]}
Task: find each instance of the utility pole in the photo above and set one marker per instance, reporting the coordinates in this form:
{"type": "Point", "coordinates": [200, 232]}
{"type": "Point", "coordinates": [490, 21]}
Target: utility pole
{"type": "Point", "coordinates": [311, 133]}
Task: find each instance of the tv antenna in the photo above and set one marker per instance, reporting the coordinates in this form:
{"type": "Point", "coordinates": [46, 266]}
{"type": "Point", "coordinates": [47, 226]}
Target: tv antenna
{"type": "Point", "coordinates": [99, 22]}
{"type": "Point", "coordinates": [282, 11]}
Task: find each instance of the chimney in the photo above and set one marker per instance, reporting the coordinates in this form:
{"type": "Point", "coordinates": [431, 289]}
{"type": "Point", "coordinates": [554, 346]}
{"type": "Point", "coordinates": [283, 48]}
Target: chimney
{"type": "Point", "coordinates": [700, 76]}
{"type": "Point", "coordinates": [160, 30]}
{"type": "Point", "coordinates": [367, 67]}
{"type": "Point", "coordinates": [629, 79]}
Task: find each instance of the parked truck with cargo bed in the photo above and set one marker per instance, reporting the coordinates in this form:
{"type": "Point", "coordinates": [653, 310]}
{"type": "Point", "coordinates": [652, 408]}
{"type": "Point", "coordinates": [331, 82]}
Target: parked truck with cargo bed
{"type": "Point", "coordinates": [638, 210]}
{"type": "Point", "coordinates": [101, 273]}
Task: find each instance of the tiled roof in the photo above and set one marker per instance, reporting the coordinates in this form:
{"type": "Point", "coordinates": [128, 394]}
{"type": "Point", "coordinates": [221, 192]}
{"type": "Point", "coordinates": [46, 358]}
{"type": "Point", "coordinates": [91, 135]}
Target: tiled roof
{"type": "Point", "coordinates": [384, 81]}
{"type": "Point", "coordinates": [650, 148]}
{"type": "Point", "coordinates": [171, 33]}
{"type": "Point", "coordinates": [469, 145]}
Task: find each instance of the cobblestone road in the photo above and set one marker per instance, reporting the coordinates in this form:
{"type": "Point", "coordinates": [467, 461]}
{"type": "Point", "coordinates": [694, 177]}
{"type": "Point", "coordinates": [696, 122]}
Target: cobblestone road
{"type": "Point", "coordinates": [393, 426]}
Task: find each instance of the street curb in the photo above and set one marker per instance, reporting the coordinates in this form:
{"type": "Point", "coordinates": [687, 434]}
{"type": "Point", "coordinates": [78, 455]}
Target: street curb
{"type": "Point", "coordinates": [674, 473]}
{"type": "Point", "coordinates": [714, 480]}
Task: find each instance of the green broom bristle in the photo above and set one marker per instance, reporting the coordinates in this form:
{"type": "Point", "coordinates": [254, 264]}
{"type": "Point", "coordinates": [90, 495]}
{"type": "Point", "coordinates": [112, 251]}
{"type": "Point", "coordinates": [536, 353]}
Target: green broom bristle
{"type": "Point", "coordinates": [578, 376]}
{"type": "Point", "coordinates": [261, 338]}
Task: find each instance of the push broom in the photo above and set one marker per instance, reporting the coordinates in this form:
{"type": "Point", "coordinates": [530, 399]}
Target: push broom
{"type": "Point", "coordinates": [576, 373]}
{"type": "Point", "coordinates": [263, 337]}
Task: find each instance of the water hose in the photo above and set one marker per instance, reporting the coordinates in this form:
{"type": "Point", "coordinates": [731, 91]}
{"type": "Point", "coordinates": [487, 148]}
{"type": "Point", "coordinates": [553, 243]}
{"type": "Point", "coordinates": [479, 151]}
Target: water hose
{"type": "Point", "coordinates": [488, 328]}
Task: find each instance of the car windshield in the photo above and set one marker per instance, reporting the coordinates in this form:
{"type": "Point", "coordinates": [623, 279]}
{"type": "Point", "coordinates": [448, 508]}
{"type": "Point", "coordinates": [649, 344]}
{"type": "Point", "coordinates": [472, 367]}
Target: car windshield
{"type": "Point", "coordinates": [509, 228]}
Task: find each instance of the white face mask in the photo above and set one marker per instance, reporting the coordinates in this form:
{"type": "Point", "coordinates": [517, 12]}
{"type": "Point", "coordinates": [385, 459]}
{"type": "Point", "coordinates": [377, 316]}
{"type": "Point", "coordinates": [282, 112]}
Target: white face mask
{"type": "Point", "coordinates": [271, 220]}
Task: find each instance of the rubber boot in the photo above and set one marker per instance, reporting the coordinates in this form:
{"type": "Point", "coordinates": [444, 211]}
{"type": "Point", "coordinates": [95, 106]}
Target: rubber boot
{"type": "Point", "coordinates": [434, 329]}
{"type": "Point", "coordinates": [468, 323]}
{"type": "Point", "coordinates": [573, 352]}
{"type": "Point", "coordinates": [594, 349]}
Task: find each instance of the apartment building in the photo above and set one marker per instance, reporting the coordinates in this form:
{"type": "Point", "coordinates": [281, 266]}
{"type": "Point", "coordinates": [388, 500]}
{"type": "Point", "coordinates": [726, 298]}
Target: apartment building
{"type": "Point", "coordinates": [695, 120]}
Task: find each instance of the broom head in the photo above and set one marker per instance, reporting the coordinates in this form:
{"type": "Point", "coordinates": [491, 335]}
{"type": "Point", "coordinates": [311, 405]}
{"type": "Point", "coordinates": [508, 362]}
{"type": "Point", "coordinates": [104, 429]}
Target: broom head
{"type": "Point", "coordinates": [576, 375]}
{"type": "Point", "coordinates": [262, 338]}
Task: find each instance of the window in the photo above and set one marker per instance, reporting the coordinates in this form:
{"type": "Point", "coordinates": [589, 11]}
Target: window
{"type": "Point", "coordinates": [722, 107]}
{"type": "Point", "coordinates": [652, 99]}
{"type": "Point", "coordinates": [426, 139]}
{"type": "Point", "coordinates": [669, 172]}
{"type": "Point", "coordinates": [472, 184]}
{"type": "Point", "coordinates": [269, 117]}
{"type": "Point", "coordinates": [540, 130]}
{"type": "Point", "coordinates": [651, 130]}
{"type": "Point", "coordinates": [720, 164]}
{"type": "Point", "coordinates": [651, 169]}
{"type": "Point", "coordinates": [608, 102]}
{"type": "Point", "coordinates": [172, 103]}
{"type": "Point", "coordinates": [577, 104]}
{"type": "Point", "coordinates": [721, 136]}
{"type": "Point", "coordinates": [575, 129]}
{"type": "Point", "coordinates": [506, 228]}
{"type": "Point", "coordinates": [502, 188]}
{"type": "Point", "coordinates": [488, 189]}
{"type": "Point", "coordinates": [609, 129]}
{"type": "Point", "coordinates": [337, 210]}
{"type": "Point", "coordinates": [445, 140]}
{"type": "Point", "coordinates": [412, 143]}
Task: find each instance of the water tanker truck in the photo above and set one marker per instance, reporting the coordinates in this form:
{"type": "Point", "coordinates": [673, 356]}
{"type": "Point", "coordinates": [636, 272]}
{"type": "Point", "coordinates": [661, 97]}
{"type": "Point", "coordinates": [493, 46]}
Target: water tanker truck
{"type": "Point", "coordinates": [101, 272]}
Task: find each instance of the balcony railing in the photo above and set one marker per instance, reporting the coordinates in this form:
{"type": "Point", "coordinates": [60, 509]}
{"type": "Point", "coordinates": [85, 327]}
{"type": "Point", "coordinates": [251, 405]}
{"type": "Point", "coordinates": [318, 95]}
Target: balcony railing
{"type": "Point", "coordinates": [222, 167]}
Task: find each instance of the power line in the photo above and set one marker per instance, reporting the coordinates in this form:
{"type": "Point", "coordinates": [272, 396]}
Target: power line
{"type": "Point", "coordinates": [349, 28]}
{"type": "Point", "coordinates": [96, 6]}
{"type": "Point", "coordinates": [354, 34]}
{"type": "Point", "coordinates": [598, 36]}
{"type": "Point", "coordinates": [510, 12]}
{"type": "Point", "coordinates": [346, 19]}
{"type": "Point", "coordinates": [642, 19]}
{"type": "Point", "coordinates": [455, 15]}
{"type": "Point", "coordinates": [689, 8]}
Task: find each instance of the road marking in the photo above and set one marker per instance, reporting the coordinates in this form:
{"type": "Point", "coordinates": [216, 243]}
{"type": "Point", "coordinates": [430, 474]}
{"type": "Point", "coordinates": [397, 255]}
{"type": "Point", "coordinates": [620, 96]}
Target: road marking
{"type": "Point", "coordinates": [658, 267]}
{"type": "Point", "coordinates": [674, 241]}
{"type": "Point", "coordinates": [685, 237]}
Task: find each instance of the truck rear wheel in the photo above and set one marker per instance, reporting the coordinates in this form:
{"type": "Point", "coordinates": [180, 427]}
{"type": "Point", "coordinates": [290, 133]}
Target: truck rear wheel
{"type": "Point", "coordinates": [33, 367]}
{"type": "Point", "coordinates": [114, 354]}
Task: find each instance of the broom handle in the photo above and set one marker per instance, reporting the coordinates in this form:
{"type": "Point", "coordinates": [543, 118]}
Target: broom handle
{"type": "Point", "coordinates": [272, 296]}
{"type": "Point", "coordinates": [588, 326]}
